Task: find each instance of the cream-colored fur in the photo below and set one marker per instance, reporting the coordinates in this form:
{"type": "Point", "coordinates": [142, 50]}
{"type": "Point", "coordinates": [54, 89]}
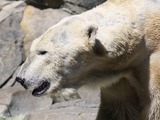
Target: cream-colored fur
{"type": "Point", "coordinates": [114, 46]}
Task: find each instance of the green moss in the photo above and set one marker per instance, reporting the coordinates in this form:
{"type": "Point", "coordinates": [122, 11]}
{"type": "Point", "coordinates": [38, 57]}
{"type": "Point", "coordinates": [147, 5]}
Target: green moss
{"type": "Point", "coordinates": [20, 117]}
{"type": "Point", "coordinates": [2, 118]}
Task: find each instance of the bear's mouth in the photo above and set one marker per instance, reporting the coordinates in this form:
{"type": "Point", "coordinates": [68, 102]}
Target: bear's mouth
{"type": "Point", "coordinates": [41, 89]}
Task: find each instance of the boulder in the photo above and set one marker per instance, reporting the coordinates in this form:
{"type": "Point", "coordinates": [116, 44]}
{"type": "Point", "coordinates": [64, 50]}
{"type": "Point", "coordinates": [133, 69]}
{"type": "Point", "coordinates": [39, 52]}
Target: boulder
{"type": "Point", "coordinates": [88, 4]}
{"type": "Point", "coordinates": [12, 82]}
{"type": "Point", "coordinates": [73, 8]}
{"type": "Point", "coordinates": [5, 98]}
{"type": "Point", "coordinates": [11, 36]}
{"type": "Point", "coordinates": [71, 110]}
{"type": "Point", "coordinates": [16, 101]}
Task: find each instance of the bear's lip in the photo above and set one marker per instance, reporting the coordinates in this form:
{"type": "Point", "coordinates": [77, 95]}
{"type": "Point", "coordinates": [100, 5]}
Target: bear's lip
{"type": "Point", "coordinates": [41, 89]}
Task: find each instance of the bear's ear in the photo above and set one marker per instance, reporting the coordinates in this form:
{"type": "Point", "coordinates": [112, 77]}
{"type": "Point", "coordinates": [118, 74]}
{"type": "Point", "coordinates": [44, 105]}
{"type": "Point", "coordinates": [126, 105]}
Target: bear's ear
{"type": "Point", "coordinates": [91, 31]}
{"type": "Point", "coordinates": [98, 48]}
{"type": "Point", "coordinates": [96, 44]}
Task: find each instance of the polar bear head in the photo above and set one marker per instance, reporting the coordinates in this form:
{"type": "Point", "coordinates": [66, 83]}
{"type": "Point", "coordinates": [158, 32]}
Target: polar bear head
{"type": "Point", "coordinates": [61, 57]}
{"type": "Point", "coordinates": [69, 54]}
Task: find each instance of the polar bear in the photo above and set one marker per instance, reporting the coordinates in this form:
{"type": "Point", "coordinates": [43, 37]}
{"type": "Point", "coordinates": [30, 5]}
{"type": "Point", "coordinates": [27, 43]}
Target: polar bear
{"type": "Point", "coordinates": [114, 46]}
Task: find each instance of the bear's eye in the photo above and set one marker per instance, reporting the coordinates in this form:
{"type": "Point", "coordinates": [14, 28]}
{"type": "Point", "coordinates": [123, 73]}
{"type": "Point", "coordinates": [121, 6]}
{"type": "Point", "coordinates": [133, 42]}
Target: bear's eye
{"type": "Point", "coordinates": [43, 52]}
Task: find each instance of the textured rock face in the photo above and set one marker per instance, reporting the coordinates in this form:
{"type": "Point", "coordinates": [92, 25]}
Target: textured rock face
{"type": "Point", "coordinates": [79, 6]}
{"type": "Point", "coordinates": [16, 100]}
{"type": "Point", "coordinates": [11, 36]}
{"type": "Point", "coordinates": [20, 24]}
{"type": "Point", "coordinates": [22, 102]}
{"type": "Point", "coordinates": [5, 98]}
{"type": "Point", "coordinates": [71, 110]}
{"type": "Point", "coordinates": [88, 4]}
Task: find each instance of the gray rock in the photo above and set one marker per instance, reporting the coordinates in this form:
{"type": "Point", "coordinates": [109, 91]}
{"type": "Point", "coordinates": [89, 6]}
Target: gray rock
{"type": "Point", "coordinates": [16, 101]}
{"type": "Point", "coordinates": [88, 4]}
{"type": "Point", "coordinates": [11, 82]}
{"type": "Point", "coordinates": [2, 108]}
{"type": "Point", "coordinates": [71, 110]}
{"type": "Point", "coordinates": [11, 36]}
{"type": "Point", "coordinates": [73, 9]}
{"type": "Point", "coordinates": [3, 3]}
{"type": "Point", "coordinates": [5, 98]}
{"type": "Point", "coordinates": [35, 22]}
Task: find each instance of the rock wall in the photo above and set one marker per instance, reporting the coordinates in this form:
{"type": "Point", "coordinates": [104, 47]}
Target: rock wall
{"type": "Point", "coordinates": [21, 21]}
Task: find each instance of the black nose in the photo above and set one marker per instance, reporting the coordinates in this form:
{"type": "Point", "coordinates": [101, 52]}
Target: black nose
{"type": "Point", "coordinates": [20, 80]}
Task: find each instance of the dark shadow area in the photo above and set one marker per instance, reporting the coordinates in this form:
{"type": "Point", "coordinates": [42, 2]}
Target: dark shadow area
{"type": "Point", "coordinates": [43, 4]}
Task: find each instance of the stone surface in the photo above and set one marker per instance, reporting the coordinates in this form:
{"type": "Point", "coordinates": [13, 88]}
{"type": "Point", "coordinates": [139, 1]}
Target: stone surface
{"type": "Point", "coordinates": [11, 36]}
{"type": "Point", "coordinates": [71, 110]}
{"type": "Point", "coordinates": [88, 4]}
{"type": "Point", "coordinates": [11, 82]}
{"type": "Point", "coordinates": [3, 108]}
{"type": "Point", "coordinates": [17, 101]}
{"type": "Point", "coordinates": [79, 6]}
{"type": "Point", "coordinates": [6, 96]}
{"type": "Point", "coordinates": [35, 22]}
{"type": "Point", "coordinates": [73, 9]}
{"type": "Point", "coordinates": [4, 3]}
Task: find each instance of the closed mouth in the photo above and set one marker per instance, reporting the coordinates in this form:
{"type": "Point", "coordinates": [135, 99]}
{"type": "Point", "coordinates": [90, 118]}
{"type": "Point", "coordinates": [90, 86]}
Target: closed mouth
{"type": "Point", "coordinates": [41, 89]}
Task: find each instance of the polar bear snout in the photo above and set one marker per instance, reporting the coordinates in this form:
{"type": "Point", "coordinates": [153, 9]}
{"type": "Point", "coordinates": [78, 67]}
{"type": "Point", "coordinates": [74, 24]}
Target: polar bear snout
{"type": "Point", "coordinates": [38, 89]}
{"type": "Point", "coordinates": [21, 81]}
